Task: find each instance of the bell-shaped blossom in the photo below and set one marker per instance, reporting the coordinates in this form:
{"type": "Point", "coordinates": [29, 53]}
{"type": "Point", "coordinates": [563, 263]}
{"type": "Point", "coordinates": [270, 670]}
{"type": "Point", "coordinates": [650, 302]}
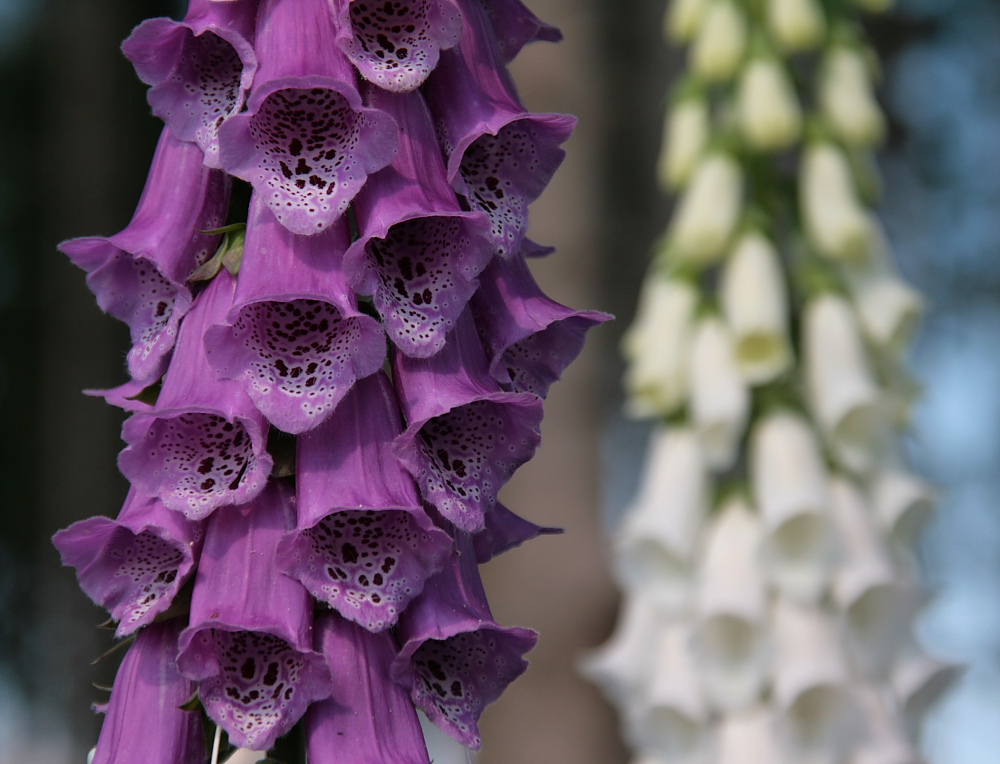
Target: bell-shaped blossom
{"type": "Point", "coordinates": [139, 275]}
{"type": "Point", "coordinates": [708, 211]}
{"type": "Point", "coordinates": [305, 142]}
{"type": "Point", "coordinates": [503, 530]}
{"type": "Point", "coordinates": [395, 45]}
{"type": "Point", "coordinates": [817, 710]}
{"type": "Point", "coordinates": [720, 401]}
{"type": "Point", "coordinates": [294, 337]}
{"type": "Point", "coordinates": [755, 305]}
{"type": "Point", "coordinates": [620, 666]}
{"type": "Point", "coordinates": [455, 658]}
{"type": "Point", "coordinates": [249, 642]}
{"type": "Point", "coordinates": [877, 603]}
{"type": "Point", "coordinates": [499, 156]}
{"type": "Point", "coordinates": [135, 565]}
{"type": "Point", "coordinates": [144, 720]}
{"type": "Point", "coordinates": [888, 308]}
{"type": "Point", "coordinates": [529, 338]}
{"type": "Point", "coordinates": [919, 681]}
{"type": "Point", "coordinates": [363, 545]}
{"type": "Point", "coordinates": [903, 504]}
{"type": "Point", "coordinates": [657, 537]}
{"type": "Point", "coordinates": [656, 346]}
{"type": "Point", "coordinates": [796, 25]}
{"type": "Point", "coordinates": [685, 134]}
{"type": "Point", "coordinates": [720, 43]}
{"type": "Point", "coordinates": [199, 70]}
{"type": "Point", "coordinates": [369, 719]}
{"type": "Point", "coordinates": [418, 252]}
{"type": "Point", "coordinates": [790, 488]}
{"type": "Point", "coordinates": [767, 108]}
{"type": "Point", "coordinates": [683, 19]}
{"type": "Point", "coordinates": [834, 219]}
{"type": "Point", "coordinates": [204, 443]}
{"type": "Point", "coordinates": [884, 739]}
{"type": "Point", "coordinates": [847, 99]}
{"type": "Point", "coordinates": [670, 718]}
{"type": "Point", "coordinates": [514, 26]}
{"type": "Point", "coordinates": [842, 391]}
{"type": "Point", "coordinates": [465, 437]}
{"type": "Point", "coordinates": [730, 637]}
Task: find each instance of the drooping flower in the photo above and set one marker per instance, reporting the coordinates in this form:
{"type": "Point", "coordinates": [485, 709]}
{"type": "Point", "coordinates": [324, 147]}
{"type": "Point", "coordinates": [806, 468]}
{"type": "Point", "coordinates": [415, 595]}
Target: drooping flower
{"type": "Point", "coordinates": [767, 106]}
{"type": "Point", "coordinates": [720, 42]}
{"type": "Point", "coordinates": [708, 211]}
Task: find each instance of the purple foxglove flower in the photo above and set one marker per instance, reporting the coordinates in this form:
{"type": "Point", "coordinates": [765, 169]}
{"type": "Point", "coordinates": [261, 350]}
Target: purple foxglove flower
{"type": "Point", "coordinates": [513, 24]}
{"type": "Point", "coordinates": [135, 565]}
{"type": "Point", "coordinates": [305, 143]}
{"type": "Point", "coordinates": [455, 658]}
{"type": "Point", "coordinates": [144, 721]}
{"type": "Point", "coordinates": [139, 275]}
{"type": "Point", "coordinates": [503, 530]}
{"type": "Point", "coordinates": [418, 252]}
{"type": "Point", "coordinates": [529, 338]}
{"type": "Point", "coordinates": [294, 337]}
{"type": "Point", "coordinates": [370, 719]}
{"type": "Point", "coordinates": [363, 545]}
{"type": "Point", "coordinates": [396, 44]}
{"type": "Point", "coordinates": [204, 444]}
{"type": "Point", "coordinates": [249, 645]}
{"type": "Point", "coordinates": [199, 70]}
{"type": "Point", "coordinates": [499, 156]}
{"type": "Point", "coordinates": [465, 436]}
{"type": "Point", "coordinates": [127, 396]}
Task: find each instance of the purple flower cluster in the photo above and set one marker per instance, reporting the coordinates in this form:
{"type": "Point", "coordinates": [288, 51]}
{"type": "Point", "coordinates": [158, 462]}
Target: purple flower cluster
{"type": "Point", "coordinates": [326, 402]}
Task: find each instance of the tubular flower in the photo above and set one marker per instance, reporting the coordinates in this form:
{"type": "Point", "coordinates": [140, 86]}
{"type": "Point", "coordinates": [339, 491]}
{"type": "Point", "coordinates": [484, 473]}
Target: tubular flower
{"type": "Point", "coordinates": [324, 401]}
{"type": "Point", "coordinates": [768, 555]}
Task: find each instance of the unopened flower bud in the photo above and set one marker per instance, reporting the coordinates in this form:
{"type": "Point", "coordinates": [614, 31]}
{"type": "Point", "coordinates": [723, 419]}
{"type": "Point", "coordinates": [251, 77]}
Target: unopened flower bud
{"type": "Point", "coordinates": [797, 25]}
{"type": "Point", "coordinates": [684, 134]}
{"type": "Point", "coordinates": [847, 99]}
{"type": "Point", "coordinates": [721, 41]}
{"type": "Point", "coordinates": [719, 396]}
{"type": "Point", "coordinates": [766, 106]}
{"type": "Point", "coordinates": [835, 221]}
{"type": "Point", "coordinates": [682, 19]}
{"type": "Point", "coordinates": [708, 211]}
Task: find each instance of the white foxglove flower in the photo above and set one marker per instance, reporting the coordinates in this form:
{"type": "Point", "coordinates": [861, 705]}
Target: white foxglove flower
{"type": "Point", "coordinates": [730, 644]}
{"type": "Point", "coordinates": [719, 397]}
{"type": "Point", "coordinates": [888, 307]}
{"type": "Point", "coordinates": [841, 388]}
{"type": "Point", "coordinates": [708, 211]}
{"type": "Point", "coordinates": [903, 503]}
{"type": "Point", "coordinates": [685, 133]}
{"type": "Point", "coordinates": [884, 739]}
{"type": "Point", "coordinates": [747, 737]}
{"type": "Point", "coordinates": [246, 756]}
{"type": "Point", "coordinates": [876, 602]}
{"type": "Point", "coordinates": [789, 485]}
{"type": "Point", "coordinates": [755, 306]}
{"type": "Point", "coordinates": [683, 18]}
{"type": "Point", "coordinates": [670, 720]}
{"type": "Point", "coordinates": [656, 347]}
{"type": "Point", "coordinates": [767, 108]}
{"type": "Point", "coordinates": [441, 748]}
{"type": "Point", "coordinates": [834, 219]}
{"type": "Point", "coordinates": [847, 98]}
{"type": "Point", "coordinates": [796, 25]}
{"type": "Point", "coordinates": [657, 536]}
{"type": "Point", "coordinates": [811, 685]}
{"type": "Point", "coordinates": [919, 681]}
{"type": "Point", "coordinates": [721, 41]}
{"type": "Point", "coordinates": [620, 666]}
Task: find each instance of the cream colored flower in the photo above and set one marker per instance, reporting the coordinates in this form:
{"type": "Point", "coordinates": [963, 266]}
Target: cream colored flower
{"type": "Point", "coordinates": [684, 136]}
{"type": "Point", "coordinates": [682, 19]}
{"type": "Point", "coordinates": [835, 221]}
{"type": "Point", "coordinates": [767, 108]}
{"type": "Point", "coordinates": [796, 25]}
{"type": "Point", "coordinates": [720, 43]}
{"type": "Point", "coordinates": [847, 99]}
{"type": "Point", "coordinates": [708, 211]}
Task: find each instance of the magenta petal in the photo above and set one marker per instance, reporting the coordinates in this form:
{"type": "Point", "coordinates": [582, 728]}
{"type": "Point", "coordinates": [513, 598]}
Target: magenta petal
{"type": "Point", "coordinates": [305, 143]}
{"type": "Point", "coordinates": [503, 531]}
{"type": "Point", "coordinates": [204, 443]}
{"type": "Point", "coordinates": [124, 396]}
{"type": "Point", "coordinates": [455, 658]}
{"type": "Point", "coordinates": [363, 545]}
{"type": "Point", "coordinates": [418, 252]}
{"type": "Point", "coordinates": [396, 44]}
{"type": "Point", "coordinates": [530, 339]}
{"type": "Point", "coordinates": [140, 274]}
{"type": "Point", "coordinates": [143, 721]}
{"type": "Point", "coordinates": [500, 157]}
{"type": "Point", "coordinates": [249, 645]}
{"type": "Point", "coordinates": [294, 337]}
{"type": "Point", "coordinates": [513, 24]}
{"type": "Point", "coordinates": [135, 565]}
{"type": "Point", "coordinates": [199, 69]}
{"type": "Point", "coordinates": [370, 719]}
{"type": "Point", "coordinates": [465, 437]}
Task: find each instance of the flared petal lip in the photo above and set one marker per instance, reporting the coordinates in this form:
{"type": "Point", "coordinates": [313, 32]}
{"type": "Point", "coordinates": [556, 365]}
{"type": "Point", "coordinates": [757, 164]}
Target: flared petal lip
{"type": "Point", "coordinates": [401, 667]}
{"type": "Point", "coordinates": [266, 89]}
{"type": "Point", "coordinates": [124, 396]}
{"type": "Point", "coordinates": [134, 427]}
{"type": "Point", "coordinates": [189, 634]}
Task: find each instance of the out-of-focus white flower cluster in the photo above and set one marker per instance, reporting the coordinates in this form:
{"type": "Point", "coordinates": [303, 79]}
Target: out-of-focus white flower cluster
{"type": "Point", "coordinates": [768, 557]}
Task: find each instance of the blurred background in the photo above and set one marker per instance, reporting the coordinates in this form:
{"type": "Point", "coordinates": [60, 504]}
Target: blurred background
{"type": "Point", "coordinates": [76, 137]}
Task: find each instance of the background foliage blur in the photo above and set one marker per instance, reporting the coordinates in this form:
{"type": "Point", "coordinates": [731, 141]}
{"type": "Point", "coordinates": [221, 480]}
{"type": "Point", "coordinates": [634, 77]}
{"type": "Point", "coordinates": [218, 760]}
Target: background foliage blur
{"type": "Point", "coordinates": [76, 137]}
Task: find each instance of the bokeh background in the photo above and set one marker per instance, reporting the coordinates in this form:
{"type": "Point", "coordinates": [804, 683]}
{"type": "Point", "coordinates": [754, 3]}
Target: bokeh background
{"type": "Point", "coordinates": [76, 137]}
